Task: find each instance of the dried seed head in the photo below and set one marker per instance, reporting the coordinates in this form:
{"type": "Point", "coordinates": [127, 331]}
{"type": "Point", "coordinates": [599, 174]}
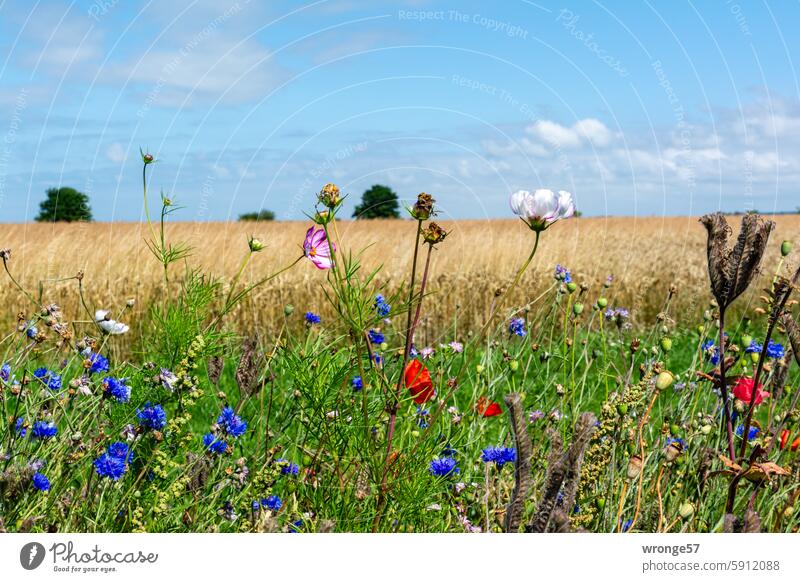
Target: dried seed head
{"type": "Point", "coordinates": [731, 270]}
{"type": "Point", "coordinates": [5, 254]}
{"type": "Point", "coordinates": [433, 233]}
{"type": "Point", "coordinates": [330, 195]}
{"type": "Point", "coordinates": [634, 466]}
{"type": "Point", "coordinates": [423, 208]}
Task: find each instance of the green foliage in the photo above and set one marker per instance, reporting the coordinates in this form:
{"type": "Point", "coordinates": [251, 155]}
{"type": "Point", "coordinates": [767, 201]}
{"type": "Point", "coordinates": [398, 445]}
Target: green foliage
{"type": "Point", "coordinates": [261, 215]}
{"type": "Point", "coordinates": [378, 202]}
{"type": "Point", "coordinates": [64, 205]}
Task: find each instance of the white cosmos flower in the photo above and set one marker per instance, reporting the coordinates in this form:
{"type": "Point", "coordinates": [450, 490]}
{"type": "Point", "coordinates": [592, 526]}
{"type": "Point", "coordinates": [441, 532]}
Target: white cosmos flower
{"type": "Point", "coordinates": [542, 208]}
{"type": "Point", "coordinates": [108, 325]}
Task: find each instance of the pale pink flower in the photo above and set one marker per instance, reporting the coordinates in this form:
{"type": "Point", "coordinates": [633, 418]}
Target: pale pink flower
{"type": "Point", "coordinates": [543, 207]}
{"type": "Point", "coordinates": [317, 248]}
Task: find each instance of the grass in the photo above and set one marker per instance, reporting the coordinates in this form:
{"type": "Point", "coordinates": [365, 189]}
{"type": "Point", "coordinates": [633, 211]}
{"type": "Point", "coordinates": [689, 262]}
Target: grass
{"type": "Point", "coordinates": [614, 420]}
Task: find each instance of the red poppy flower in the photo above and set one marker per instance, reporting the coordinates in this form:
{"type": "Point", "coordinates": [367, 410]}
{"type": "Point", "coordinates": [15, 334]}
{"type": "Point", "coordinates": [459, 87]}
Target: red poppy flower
{"type": "Point", "coordinates": [784, 438]}
{"type": "Point", "coordinates": [795, 444]}
{"type": "Point", "coordinates": [743, 390]}
{"type": "Point", "coordinates": [487, 409]}
{"type": "Point", "coordinates": [418, 382]}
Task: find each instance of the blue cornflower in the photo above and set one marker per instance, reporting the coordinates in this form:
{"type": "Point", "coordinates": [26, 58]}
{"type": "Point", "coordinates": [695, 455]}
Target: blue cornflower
{"type": "Point", "coordinates": [296, 526]}
{"type": "Point", "coordinates": [114, 462]}
{"type": "Point", "coordinates": [376, 337]}
{"type": "Point", "coordinates": [256, 505]}
{"type": "Point", "coordinates": [41, 482]}
{"type": "Point", "coordinates": [381, 306]}
{"type": "Point", "coordinates": [563, 274]}
{"type": "Point", "coordinates": [43, 430]}
{"type": "Point", "coordinates": [422, 417]}
{"type": "Point", "coordinates": [751, 434]}
{"type": "Point", "coordinates": [774, 350]}
{"type": "Point", "coordinates": [31, 330]}
{"type": "Point", "coordinates": [22, 430]}
{"type": "Point", "coordinates": [5, 372]}
{"type": "Point", "coordinates": [232, 424]}
{"type": "Point", "coordinates": [358, 384]}
{"type": "Point", "coordinates": [753, 348]}
{"type": "Point", "coordinates": [117, 388]}
{"type": "Point", "coordinates": [517, 327]}
{"type": "Point", "coordinates": [120, 450]}
{"type": "Point", "coordinates": [312, 318]}
{"type": "Point", "coordinates": [213, 444]}
{"type": "Point", "coordinates": [152, 416]}
{"type": "Point", "coordinates": [99, 363]}
{"type": "Point", "coordinates": [378, 360]}
{"type": "Point", "coordinates": [711, 352]}
{"type": "Point", "coordinates": [109, 466]}
{"type": "Point", "coordinates": [443, 466]}
{"type": "Point", "coordinates": [273, 503]}
{"type": "Point", "coordinates": [627, 525]}
{"type": "Point", "coordinates": [676, 441]}
{"type": "Point", "coordinates": [48, 378]}
{"type": "Point", "coordinates": [499, 455]}
{"type": "Point", "coordinates": [288, 469]}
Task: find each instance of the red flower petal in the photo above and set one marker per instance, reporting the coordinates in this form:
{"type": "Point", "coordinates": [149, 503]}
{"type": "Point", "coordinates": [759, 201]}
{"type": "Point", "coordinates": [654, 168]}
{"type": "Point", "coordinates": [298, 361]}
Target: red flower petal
{"type": "Point", "coordinates": [418, 381]}
{"type": "Point", "coordinates": [487, 409]}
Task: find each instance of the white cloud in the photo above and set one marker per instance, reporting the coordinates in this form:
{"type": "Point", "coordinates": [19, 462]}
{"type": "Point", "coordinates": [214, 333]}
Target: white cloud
{"type": "Point", "coordinates": [583, 132]}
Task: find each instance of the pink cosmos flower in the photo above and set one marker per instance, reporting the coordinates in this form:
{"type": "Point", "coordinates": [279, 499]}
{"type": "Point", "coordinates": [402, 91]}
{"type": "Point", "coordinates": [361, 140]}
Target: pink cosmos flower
{"type": "Point", "coordinates": [317, 248]}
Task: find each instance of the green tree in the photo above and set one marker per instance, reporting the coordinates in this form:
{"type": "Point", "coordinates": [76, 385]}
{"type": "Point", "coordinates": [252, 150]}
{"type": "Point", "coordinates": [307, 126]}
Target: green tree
{"type": "Point", "coordinates": [378, 202]}
{"type": "Point", "coordinates": [260, 215]}
{"type": "Point", "coordinates": [64, 205]}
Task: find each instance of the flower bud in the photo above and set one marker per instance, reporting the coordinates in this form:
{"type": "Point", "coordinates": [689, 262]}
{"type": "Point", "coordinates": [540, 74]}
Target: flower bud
{"type": "Point", "coordinates": [666, 344]}
{"type": "Point", "coordinates": [686, 510]}
{"type": "Point", "coordinates": [747, 340]}
{"type": "Point", "coordinates": [664, 380]}
{"type": "Point", "coordinates": [479, 369]}
{"type": "Point", "coordinates": [674, 429]}
{"type": "Point", "coordinates": [330, 196]}
{"type": "Point", "coordinates": [602, 302]}
{"type": "Point", "coordinates": [622, 409]}
{"type": "Point", "coordinates": [255, 244]}
{"type": "Point", "coordinates": [786, 248]}
{"type": "Point", "coordinates": [705, 429]}
{"type": "Point", "coordinates": [600, 503]}
{"type": "Point", "coordinates": [288, 309]}
{"type": "Point", "coordinates": [634, 467]}
{"type": "Point", "coordinates": [147, 158]}
{"type": "Point", "coordinates": [513, 365]}
{"type": "Point", "coordinates": [572, 286]}
{"type": "Point", "coordinates": [577, 309]}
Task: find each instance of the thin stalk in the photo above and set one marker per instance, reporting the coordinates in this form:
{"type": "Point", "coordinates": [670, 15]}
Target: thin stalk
{"type": "Point", "coordinates": [726, 410]}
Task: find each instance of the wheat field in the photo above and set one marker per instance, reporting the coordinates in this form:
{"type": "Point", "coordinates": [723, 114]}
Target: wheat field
{"type": "Point", "coordinates": [644, 255]}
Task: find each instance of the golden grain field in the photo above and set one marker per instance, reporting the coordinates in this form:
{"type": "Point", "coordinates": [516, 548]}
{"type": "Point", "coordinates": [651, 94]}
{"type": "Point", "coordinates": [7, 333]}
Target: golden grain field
{"type": "Point", "coordinates": [645, 256]}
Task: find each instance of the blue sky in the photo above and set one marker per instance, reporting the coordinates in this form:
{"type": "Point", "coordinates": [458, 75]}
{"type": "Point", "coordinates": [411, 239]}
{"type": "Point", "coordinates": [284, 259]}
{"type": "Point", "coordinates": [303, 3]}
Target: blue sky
{"type": "Point", "coordinates": [638, 108]}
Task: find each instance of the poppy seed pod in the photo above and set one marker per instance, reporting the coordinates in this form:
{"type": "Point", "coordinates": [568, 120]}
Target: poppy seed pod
{"type": "Point", "coordinates": [786, 248]}
{"type": "Point", "coordinates": [634, 467]}
{"type": "Point", "coordinates": [673, 450]}
{"type": "Point", "coordinates": [572, 287]}
{"type": "Point", "coordinates": [686, 510]}
{"type": "Point", "coordinates": [577, 309]}
{"type": "Point", "coordinates": [602, 302]}
{"type": "Point", "coordinates": [664, 380]}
